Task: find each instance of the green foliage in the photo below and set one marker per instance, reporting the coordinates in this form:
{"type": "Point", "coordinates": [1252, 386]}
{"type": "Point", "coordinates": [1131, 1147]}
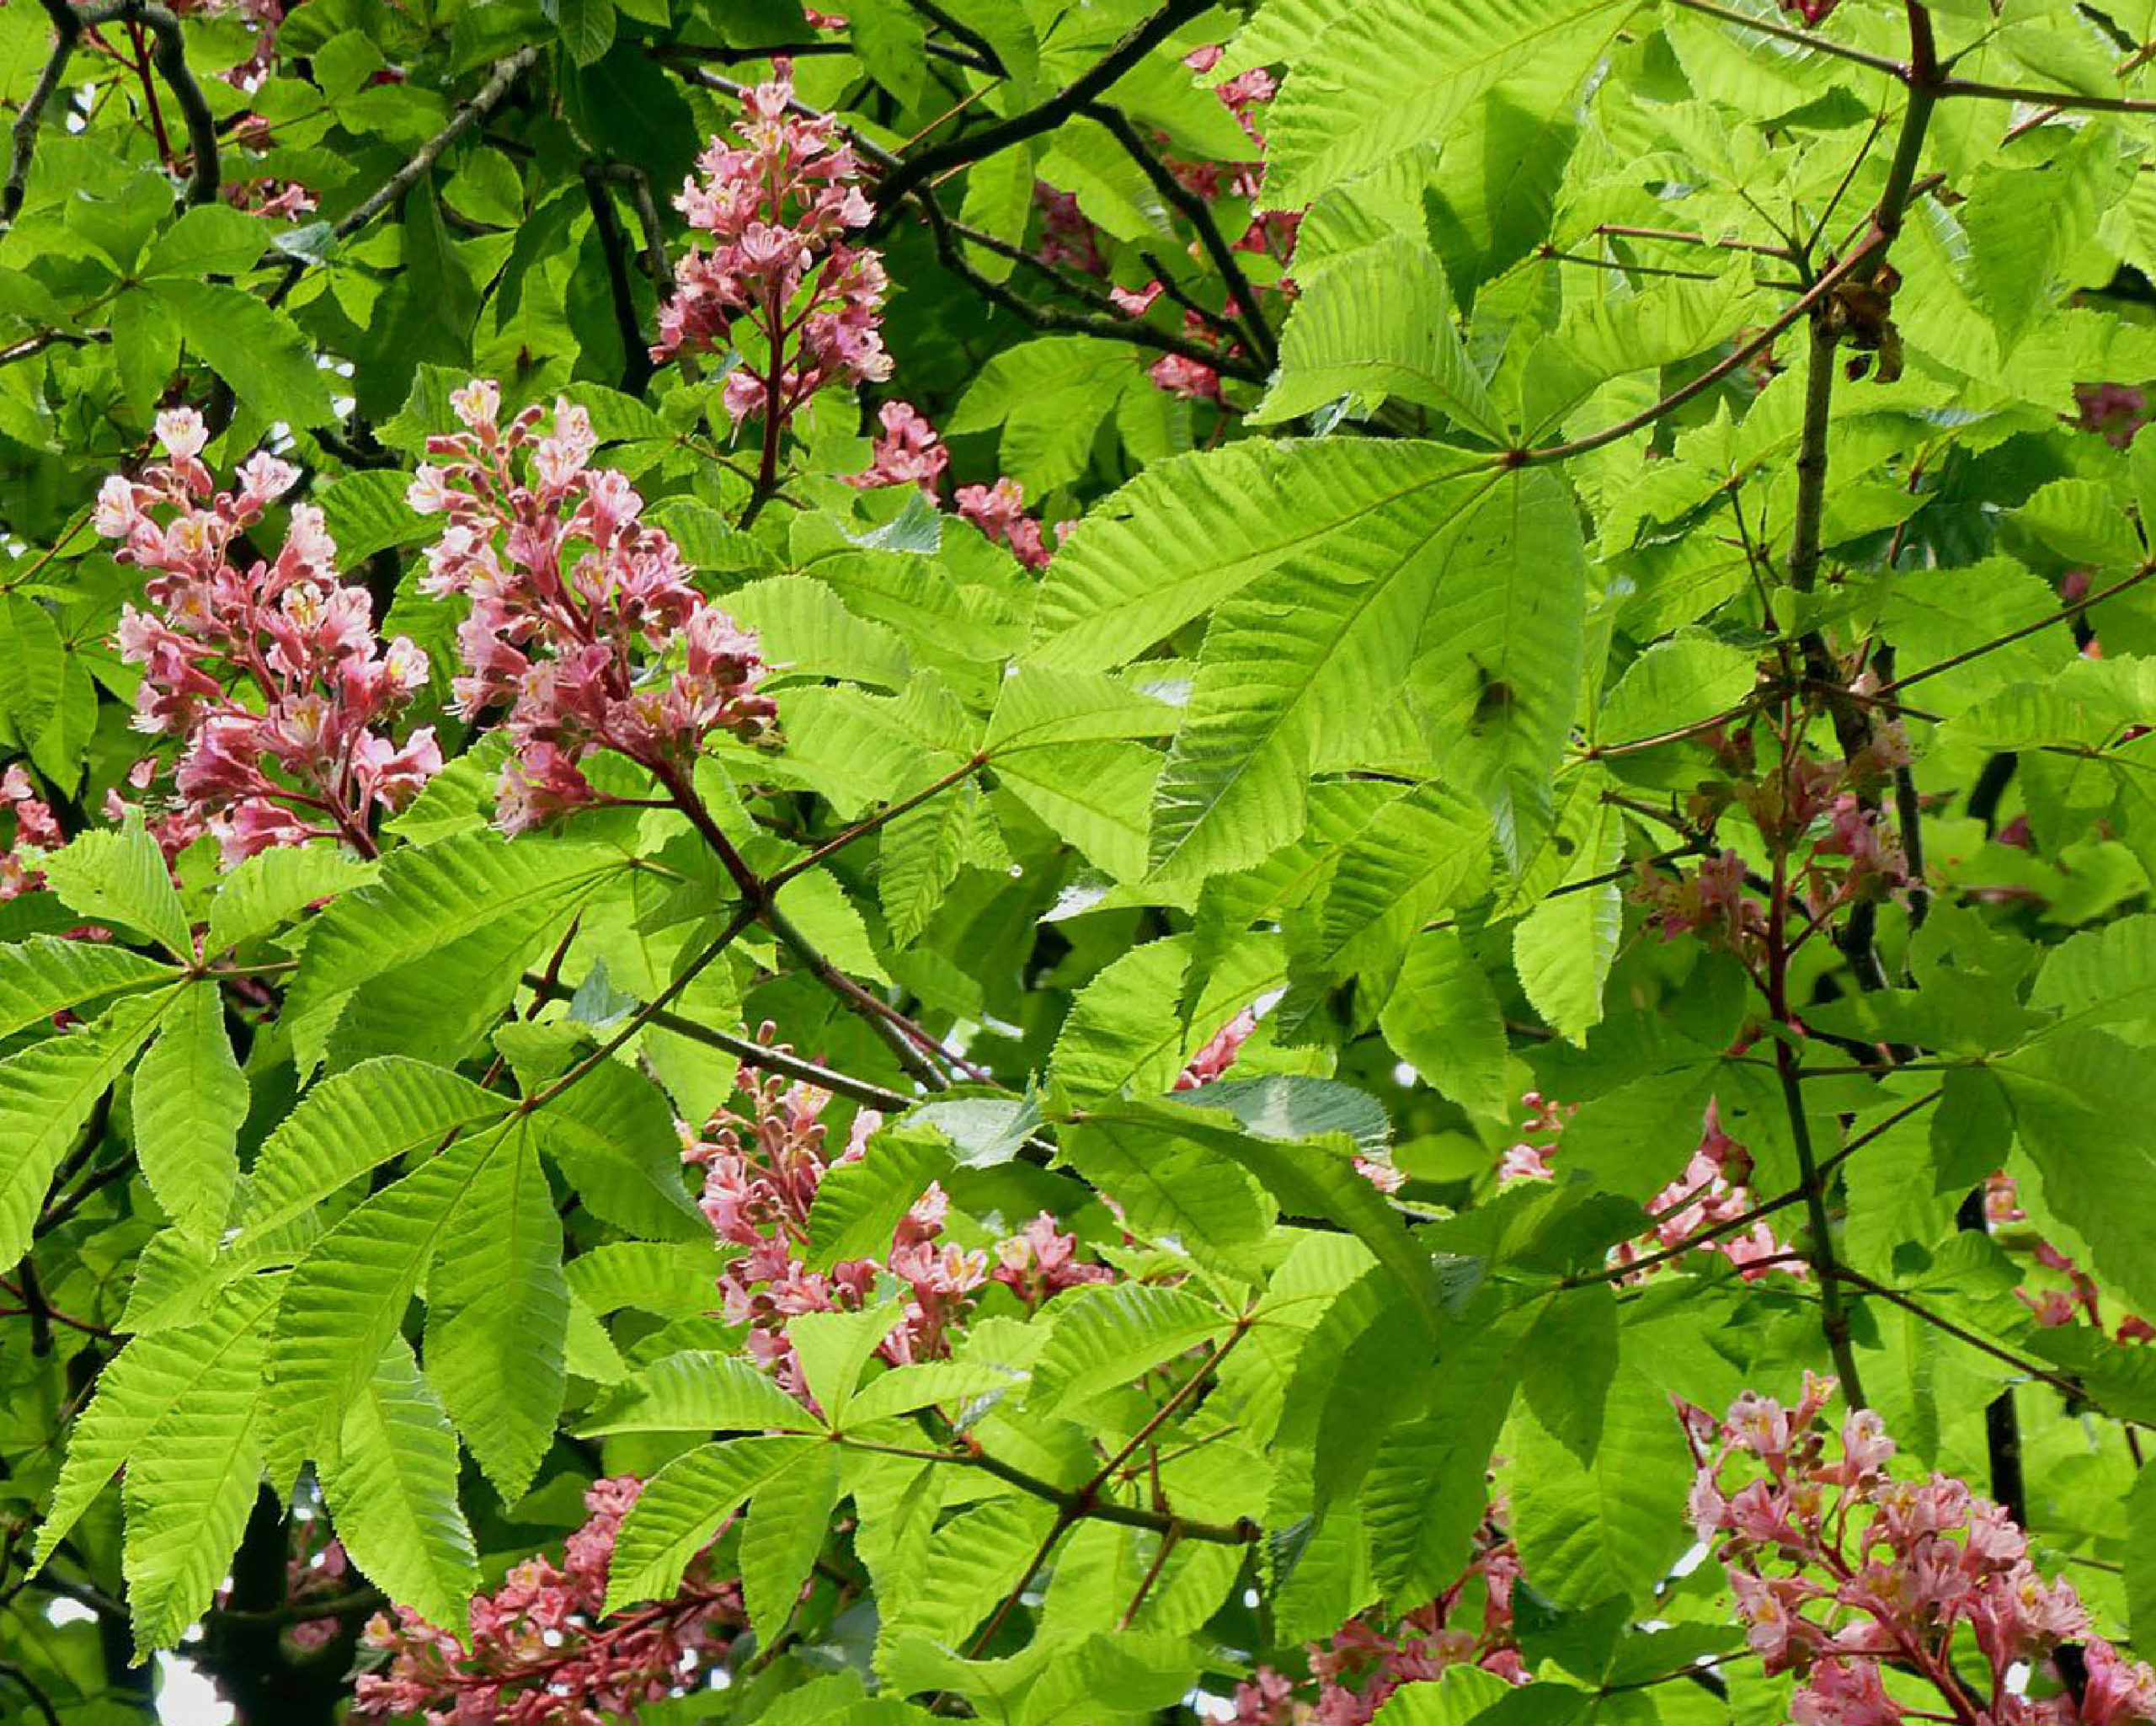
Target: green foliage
{"type": "Point", "coordinates": [1580, 713]}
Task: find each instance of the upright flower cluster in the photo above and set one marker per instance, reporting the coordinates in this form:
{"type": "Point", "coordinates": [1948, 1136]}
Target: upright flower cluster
{"type": "Point", "coordinates": [778, 203]}
{"type": "Point", "coordinates": [2070, 1295]}
{"type": "Point", "coordinates": [1843, 1574]}
{"type": "Point", "coordinates": [311, 755]}
{"type": "Point", "coordinates": [583, 623]}
{"type": "Point", "coordinates": [761, 1174]}
{"type": "Point", "coordinates": [543, 1651]}
{"type": "Point", "coordinates": [1357, 1669]}
{"type": "Point", "coordinates": [1709, 1198]}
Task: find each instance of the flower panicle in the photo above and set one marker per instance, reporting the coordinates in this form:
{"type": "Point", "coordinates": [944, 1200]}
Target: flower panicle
{"type": "Point", "coordinates": [313, 754]}
{"type": "Point", "coordinates": [583, 623]}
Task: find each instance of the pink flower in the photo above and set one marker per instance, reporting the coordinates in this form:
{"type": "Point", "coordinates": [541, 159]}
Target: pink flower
{"type": "Point", "coordinates": [999, 511]}
{"type": "Point", "coordinates": [1219, 1051]}
{"type": "Point", "coordinates": [908, 453]}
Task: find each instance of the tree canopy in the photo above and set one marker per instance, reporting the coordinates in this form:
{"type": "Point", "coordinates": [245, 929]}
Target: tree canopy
{"type": "Point", "coordinates": [1078, 863]}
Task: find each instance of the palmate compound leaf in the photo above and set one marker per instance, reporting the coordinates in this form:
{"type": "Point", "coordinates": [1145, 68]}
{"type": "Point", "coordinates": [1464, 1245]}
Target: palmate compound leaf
{"type": "Point", "coordinates": [1395, 572]}
{"type": "Point", "coordinates": [702, 1392]}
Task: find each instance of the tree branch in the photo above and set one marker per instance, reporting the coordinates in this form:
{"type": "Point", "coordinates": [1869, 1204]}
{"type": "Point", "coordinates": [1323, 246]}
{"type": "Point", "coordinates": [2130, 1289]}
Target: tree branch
{"type": "Point", "coordinates": [490, 96]}
{"type": "Point", "coordinates": [920, 170]}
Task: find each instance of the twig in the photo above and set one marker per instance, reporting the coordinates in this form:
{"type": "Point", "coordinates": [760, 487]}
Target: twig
{"type": "Point", "coordinates": [2057, 101]}
{"type": "Point", "coordinates": [638, 182]}
{"type": "Point", "coordinates": [67, 31]}
{"type": "Point", "coordinates": [490, 96]}
{"type": "Point", "coordinates": [1677, 237]}
{"type": "Point", "coordinates": [635, 352]}
{"type": "Point", "coordinates": [1803, 39]}
{"type": "Point", "coordinates": [1803, 307]}
{"type": "Point", "coordinates": [31, 1688]}
{"type": "Point", "coordinates": [748, 1051]}
{"type": "Point", "coordinates": [1200, 215]}
{"type": "Point", "coordinates": [1044, 116]}
{"type": "Point", "coordinates": [2065, 613]}
{"type": "Point", "coordinates": [860, 830]}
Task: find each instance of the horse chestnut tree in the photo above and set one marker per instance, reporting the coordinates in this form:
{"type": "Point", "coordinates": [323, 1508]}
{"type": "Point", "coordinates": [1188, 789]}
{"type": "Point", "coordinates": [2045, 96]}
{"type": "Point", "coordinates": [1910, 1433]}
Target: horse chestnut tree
{"type": "Point", "coordinates": [1286, 861]}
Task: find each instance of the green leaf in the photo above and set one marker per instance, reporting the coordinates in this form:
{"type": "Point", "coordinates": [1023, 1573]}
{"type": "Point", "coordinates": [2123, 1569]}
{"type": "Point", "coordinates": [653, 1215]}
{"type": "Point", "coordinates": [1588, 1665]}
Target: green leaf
{"type": "Point", "coordinates": [213, 239]}
{"type": "Point", "coordinates": [468, 885]}
{"type": "Point", "coordinates": [682, 1506]}
{"type": "Point", "coordinates": [345, 1300]}
{"type": "Point", "coordinates": [189, 1100]}
{"type": "Point", "coordinates": [191, 1484]}
{"type": "Point", "coordinates": [252, 346]}
{"type": "Point", "coordinates": [1425, 854]}
{"type": "Point", "coordinates": [2025, 225]}
{"type": "Point", "coordinates": [673, 1279]}
{"type": "Point", "coordinates": [1462, 1693]}
{"type": "Point", "coordinates": [1390, 75]}
{"type": "Point", "coordinates": [366, 513]}
{"type": "Point", "coordinates": [121, 878]}
{"type": "Point", "coordinates": [1489, 208]}
{"type": "Point", "coordinates": [1673, 684]}
{"type": "Point", "coordinates": [159, 1382]}
{"type": "Point", "coordinates": [614, 1136]}
{"type": "Point", "coordinates": [834, 1348]}
{"type": "Point", "coordinates": [905, 1389]}
{"type": "Point", "coordinates": [1564, 947]}
{"type": "Point", "coordinates": [354, 1121]}
{"type": "Point", "coordinates": [1590, 1529]}
{"type": "Point", "coordinates": [1406, 564]}
{"type": "Point", "coordinates": [587, 27]}
{"type": "Point", "coordinates": [1109, 1336]}
{"type": "Point", "coordinates": [2085, 1109]}
{"type": "Point", "coordinates": [859, 1205]}
{"type": "Point", "coordinates": [789, 1519]}
{"type": "Point", "coordinates": [1049, 396]}
{"type": "Point", "coordinates": [47, 975]}
{"type": "Point", "coordinates": [697, 1391]}
{"type": "Point", "coordinates": [268, 890]}
{"type": "Point", "coordinates": [1427, 1490]}
{"type": "Point", "coordinates": [1172, 1191]}
{"type": "Point", "coordinates": [1376, 323]}
{"type": "Point", "coordinates": [46, 1093]}
{"type": "Point", "coordinates": [1443, 1019]}
{"type": "Point", "coordinates": [496, 1314]}
{"type": "Point", "coordinates": [390, 1484]}
{"type": "Point", "coordinates": [1289, 1107]}
{"type": "Point", "coordinates": [32, 663]}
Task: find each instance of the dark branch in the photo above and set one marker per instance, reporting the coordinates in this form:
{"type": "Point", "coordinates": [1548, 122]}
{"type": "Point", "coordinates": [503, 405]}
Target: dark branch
{"type": "Point", "coordinates": [921, 170]}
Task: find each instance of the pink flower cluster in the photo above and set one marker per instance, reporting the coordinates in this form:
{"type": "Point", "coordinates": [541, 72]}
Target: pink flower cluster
{"type": "Point", "coordinates": [908, 453]}
{"type": "Point", "coordinates": [778, 205]}
{"type": "Point", "coordinates": [583, 621]}
{"type": "Point", "coordinates": [761, 1174]}
{"type": "Point", "coordinates": [1357, 1670]}
{"type": "Point", "coordinates": [1853, 854]}
{"type": "Point", "coordinates": [311, 755]}
{"type": "Point", "coordinates": [1842, 1573]}
{"type": "Point", "coordinates": [1709, 1195]}
{"type": "Point", "coordinates": [543, 1652]}
{"type": "Point", "coordinates": [1812, 12]}
{"type": "Point", "coordinates": [35, 830]}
